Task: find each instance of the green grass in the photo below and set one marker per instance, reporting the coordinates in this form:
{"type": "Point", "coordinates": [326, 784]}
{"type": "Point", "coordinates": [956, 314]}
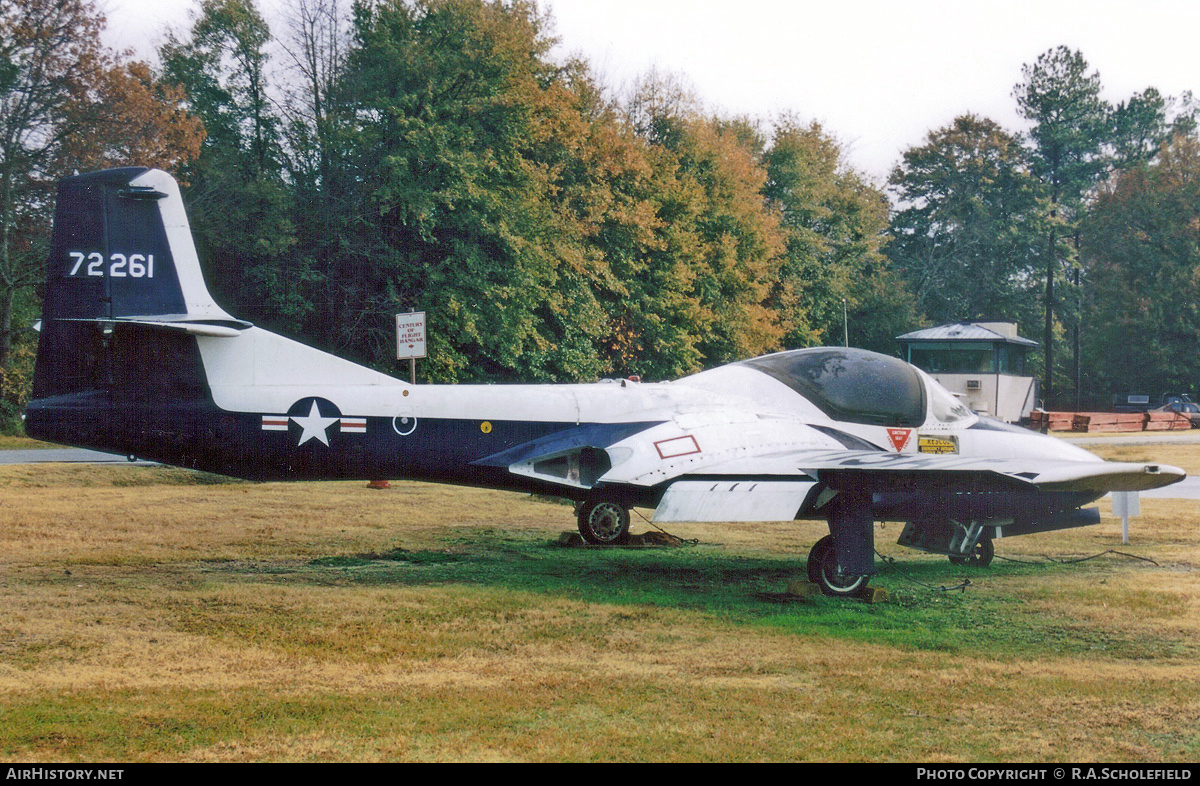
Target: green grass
{"type": "Point", "coordinates": [158, 615]}
{"type": "Point", "coordinates": [930, 608]}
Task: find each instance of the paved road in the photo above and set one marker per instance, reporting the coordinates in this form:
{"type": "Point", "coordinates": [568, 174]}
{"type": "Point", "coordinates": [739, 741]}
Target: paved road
{"type": "Point", "coordinates": [1188, 488]}
{"type": "Point", "coordinates": [63, 455]}
{"type": "Point", "coordinates": [1137, 438]}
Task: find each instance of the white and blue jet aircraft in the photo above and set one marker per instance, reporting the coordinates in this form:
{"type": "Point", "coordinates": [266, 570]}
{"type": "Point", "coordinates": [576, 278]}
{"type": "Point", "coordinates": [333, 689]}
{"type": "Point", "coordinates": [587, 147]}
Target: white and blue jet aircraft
{"type": "Point", "coordinates": [135, 357]}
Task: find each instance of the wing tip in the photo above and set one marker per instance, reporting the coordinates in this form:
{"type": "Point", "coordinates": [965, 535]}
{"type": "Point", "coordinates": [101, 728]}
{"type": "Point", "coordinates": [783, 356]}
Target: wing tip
{"type": "Point", "coordinates": [1111, 476]}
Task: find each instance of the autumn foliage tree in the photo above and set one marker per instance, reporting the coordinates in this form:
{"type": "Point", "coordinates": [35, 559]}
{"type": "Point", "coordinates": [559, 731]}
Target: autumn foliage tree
{"type": "Point", "coordinates": [834, 278]}
{"type": "Point", "coordinates": [67, 103]}
{"type": "Point", "coordinates": [240, 205]}
{"type": "Point", "coordinates": [128, 117]}
{"type": "Point", "coordinates": [50, 58]}
{"type": "Point", "coordinates": [717, 246]}
{"type": "Point", "coordinates": [993, 224]}
{"type": "Point", "coordinates": [432, 154]}
{"type": "Point", "coordinates": [548, 232]}
{"type": "Point", "coordinates": [455, 135]}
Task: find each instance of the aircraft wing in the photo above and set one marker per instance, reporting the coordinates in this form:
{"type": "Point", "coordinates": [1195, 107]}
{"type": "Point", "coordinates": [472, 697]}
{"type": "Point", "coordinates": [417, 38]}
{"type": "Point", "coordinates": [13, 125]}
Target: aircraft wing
{"type": "Point", "coordinates": [775, 487]}
{"type": "Point", "coordinates": [896, 471]}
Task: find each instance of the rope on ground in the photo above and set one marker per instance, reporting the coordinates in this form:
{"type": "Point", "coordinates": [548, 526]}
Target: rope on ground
{"type": "Point", "coordinates": [1064, 561]}
{"type": "Point", "coordinates": [688, 541]}
{"type": "Point", "coordinates": [891, 563]}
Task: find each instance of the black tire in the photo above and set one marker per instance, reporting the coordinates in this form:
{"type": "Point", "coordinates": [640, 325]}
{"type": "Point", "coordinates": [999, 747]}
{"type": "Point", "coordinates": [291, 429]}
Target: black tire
{"type": "Point", "coordinates": [823, 571]}
{"type": "Point", "coordinates": [981, 557]}
{"type": "Point", "coordinates": [604, 523]}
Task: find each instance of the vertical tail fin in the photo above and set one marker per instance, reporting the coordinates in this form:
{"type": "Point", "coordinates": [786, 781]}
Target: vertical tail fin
{"type": "Point", "coordinates": [122, 253]}
{"type": "Point", "coordinates": [135, 357]}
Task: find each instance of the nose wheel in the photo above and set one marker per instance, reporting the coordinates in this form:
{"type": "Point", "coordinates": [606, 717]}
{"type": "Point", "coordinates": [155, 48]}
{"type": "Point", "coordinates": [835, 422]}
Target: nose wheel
{"type": "Point", "coordinates": [604, 522]}
{"type": "Point", "coordinates": [980, 556]}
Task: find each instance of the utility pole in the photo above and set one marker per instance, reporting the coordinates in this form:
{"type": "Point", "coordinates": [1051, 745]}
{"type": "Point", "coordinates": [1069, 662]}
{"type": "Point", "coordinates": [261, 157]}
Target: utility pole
{"type": "Point", "coordinates": [1048, 333]}
{"type": "Point", "coordinates": [845, 324]}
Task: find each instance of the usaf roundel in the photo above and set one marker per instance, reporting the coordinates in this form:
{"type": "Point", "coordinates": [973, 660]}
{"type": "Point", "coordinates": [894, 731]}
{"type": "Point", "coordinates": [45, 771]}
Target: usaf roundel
{"type": "Point", "coordinates": [314, 418]}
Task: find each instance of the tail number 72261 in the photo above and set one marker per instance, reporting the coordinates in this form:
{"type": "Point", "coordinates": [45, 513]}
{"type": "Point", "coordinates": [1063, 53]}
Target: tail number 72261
{"type": "Point", "coordinates": [116, 266]}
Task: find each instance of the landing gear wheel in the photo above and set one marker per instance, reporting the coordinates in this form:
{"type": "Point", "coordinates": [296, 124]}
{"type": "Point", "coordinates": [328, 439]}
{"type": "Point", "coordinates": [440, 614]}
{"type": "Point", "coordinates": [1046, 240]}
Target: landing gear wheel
{"type": "Point", "coordinates": [823, 571]}
{"type": "Point", "coordinates": [604, 523]}
{"type": "Point", "coordinates": [980, 557]}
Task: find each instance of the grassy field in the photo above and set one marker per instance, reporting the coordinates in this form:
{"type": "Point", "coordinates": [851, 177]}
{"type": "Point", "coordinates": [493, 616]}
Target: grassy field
{"type": "Point", "coordinates": [154, 614]}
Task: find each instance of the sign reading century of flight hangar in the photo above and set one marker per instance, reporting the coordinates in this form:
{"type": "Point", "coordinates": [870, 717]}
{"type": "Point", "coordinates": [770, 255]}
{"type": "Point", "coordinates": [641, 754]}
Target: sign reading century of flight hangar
{"type": "Point", "coordinates": [410, 335]}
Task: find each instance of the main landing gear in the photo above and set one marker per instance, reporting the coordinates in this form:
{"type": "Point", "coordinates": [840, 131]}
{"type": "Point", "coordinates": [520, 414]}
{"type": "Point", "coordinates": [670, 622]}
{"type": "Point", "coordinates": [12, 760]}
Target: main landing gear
{"type": "Point", "coordinates": [824, 572]}
{"type": "Point", "coordinates": [842, 562]}
{"type": "Point", "coordinates": [603, 522]}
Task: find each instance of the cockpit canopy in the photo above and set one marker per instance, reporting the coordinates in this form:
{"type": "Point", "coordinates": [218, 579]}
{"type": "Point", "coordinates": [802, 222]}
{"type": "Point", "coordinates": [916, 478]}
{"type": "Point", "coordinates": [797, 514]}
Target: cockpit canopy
{"type": "Point", "coordinates": [858, 386]}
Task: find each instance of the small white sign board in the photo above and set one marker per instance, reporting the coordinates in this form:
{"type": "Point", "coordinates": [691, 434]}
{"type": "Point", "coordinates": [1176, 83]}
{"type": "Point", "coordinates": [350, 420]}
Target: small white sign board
{"type": "Point", "coordinates": [1126, 504]}
{"type": "Point", "coordinates": [410, 335]}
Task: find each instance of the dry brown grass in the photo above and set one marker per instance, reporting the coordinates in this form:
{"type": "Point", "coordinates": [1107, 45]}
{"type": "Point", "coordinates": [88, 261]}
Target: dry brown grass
{"type": "Point", "coordinates": [1177, 453]}
{"type": "Point", "coordinates": [150, 614]}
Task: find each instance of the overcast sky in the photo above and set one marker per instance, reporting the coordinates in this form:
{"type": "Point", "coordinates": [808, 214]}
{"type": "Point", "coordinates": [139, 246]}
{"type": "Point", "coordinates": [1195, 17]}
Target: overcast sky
{"type": "Point", "coordinates": [877, 75]}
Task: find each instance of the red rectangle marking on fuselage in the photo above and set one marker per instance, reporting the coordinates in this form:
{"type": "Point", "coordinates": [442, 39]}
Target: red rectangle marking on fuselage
{"type": "Point", "coordinates": [677, 446]}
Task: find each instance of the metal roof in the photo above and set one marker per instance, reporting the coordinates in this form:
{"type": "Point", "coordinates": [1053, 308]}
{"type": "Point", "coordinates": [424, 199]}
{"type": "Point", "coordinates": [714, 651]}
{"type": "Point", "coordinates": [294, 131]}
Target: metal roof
{"type": "Point", "coordinates": [964, 331]}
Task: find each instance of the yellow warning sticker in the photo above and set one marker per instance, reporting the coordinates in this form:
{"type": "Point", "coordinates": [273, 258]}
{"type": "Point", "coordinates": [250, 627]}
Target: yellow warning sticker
{"type": "Point", "coordinates": [938, 445]}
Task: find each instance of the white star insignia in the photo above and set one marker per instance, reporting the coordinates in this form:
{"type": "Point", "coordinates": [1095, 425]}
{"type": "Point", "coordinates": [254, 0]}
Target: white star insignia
{"type": "Point", "coordinates": [314, 425]}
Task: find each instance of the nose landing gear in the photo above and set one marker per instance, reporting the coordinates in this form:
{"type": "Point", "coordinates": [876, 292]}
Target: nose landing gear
{"type": "Point", "coordinates": [842, 562]}
{"type": "Point", "coordinates": [967, 543]}
{"type": "Point", "coordinates": [980, 556]}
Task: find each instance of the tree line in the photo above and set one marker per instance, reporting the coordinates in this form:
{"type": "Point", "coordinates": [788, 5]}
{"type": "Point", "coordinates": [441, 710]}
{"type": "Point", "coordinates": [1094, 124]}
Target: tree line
{"type": "Point", "coordinates": [990, 223]}
{"type": "Point", "coordinates": [433, 155]}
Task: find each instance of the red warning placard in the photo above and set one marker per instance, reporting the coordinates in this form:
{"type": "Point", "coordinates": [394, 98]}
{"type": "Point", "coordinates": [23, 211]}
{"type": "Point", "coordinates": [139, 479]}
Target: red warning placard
{"type": "Point", "coordinates": [899, 437]}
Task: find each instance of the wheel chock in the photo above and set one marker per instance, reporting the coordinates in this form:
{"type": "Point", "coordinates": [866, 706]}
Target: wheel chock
{"type": "Point", "coordinates": [801, 588]}
{"type": "Point", "coordinates": [876, 595]}
{"type": "Point", "coordinates": [570, 540]}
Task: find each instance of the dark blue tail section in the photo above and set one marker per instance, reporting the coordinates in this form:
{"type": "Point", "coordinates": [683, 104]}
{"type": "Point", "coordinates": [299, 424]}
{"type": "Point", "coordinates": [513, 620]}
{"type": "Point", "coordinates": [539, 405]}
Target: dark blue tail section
{"type": "Point", "coordinates": [122, 258]}
{"type": "Point", "coordinates": [118, 366]}
{"type": "Point", "coordinates": [110, 255]}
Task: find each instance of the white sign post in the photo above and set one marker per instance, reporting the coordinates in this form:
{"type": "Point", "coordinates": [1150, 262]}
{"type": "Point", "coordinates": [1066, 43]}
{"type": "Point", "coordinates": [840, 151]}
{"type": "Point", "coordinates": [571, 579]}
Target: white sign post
{"type": "Point", "coordinates": [410, 339]}
{"type": "Point", "coordinates": [1126, 504]}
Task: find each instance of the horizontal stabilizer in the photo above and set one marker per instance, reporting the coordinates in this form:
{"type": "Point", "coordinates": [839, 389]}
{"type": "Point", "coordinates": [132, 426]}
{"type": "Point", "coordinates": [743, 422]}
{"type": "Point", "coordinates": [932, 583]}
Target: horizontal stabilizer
{"type": "Point", "coordinates": [221, 328]}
